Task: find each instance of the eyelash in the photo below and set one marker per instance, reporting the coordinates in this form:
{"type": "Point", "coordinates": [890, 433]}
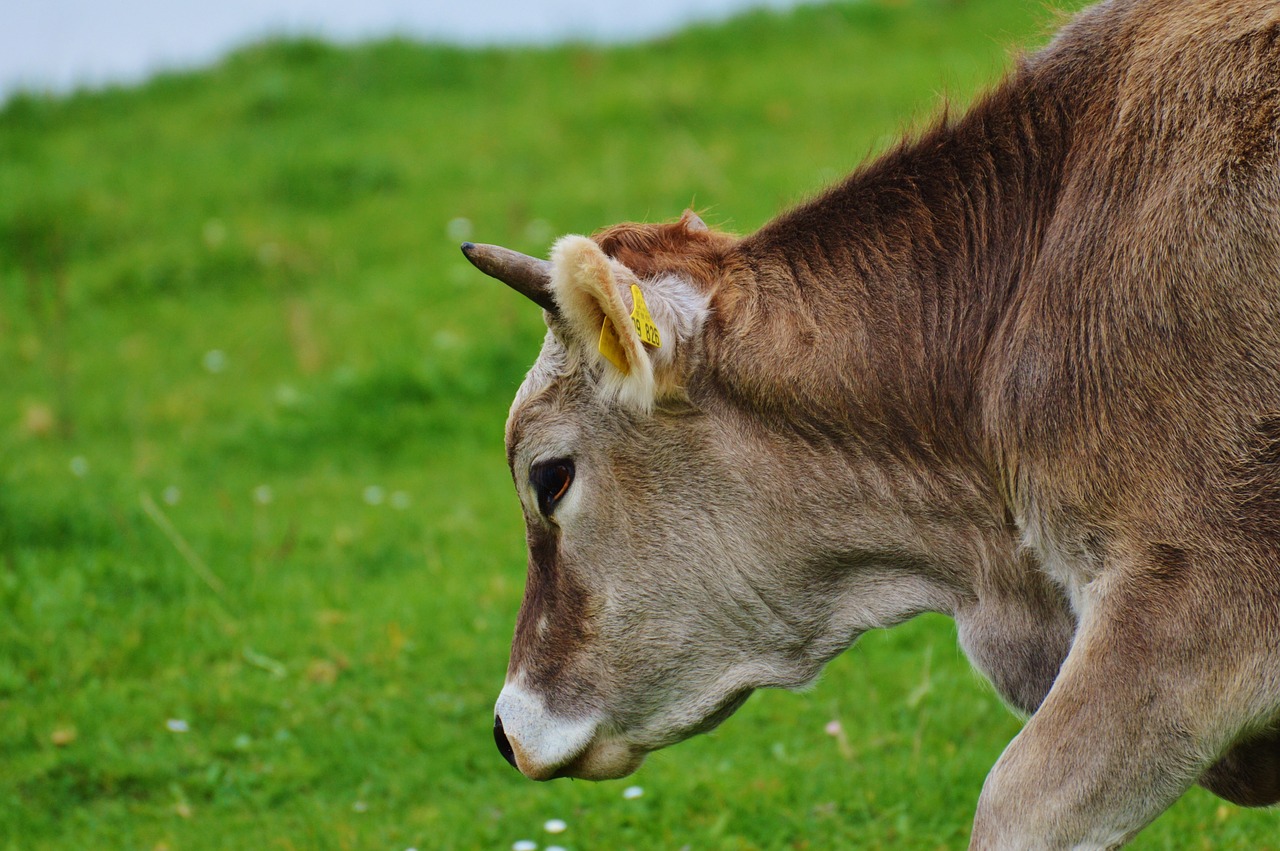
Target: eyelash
{"type": "Point", "coordinates": [551, 481]}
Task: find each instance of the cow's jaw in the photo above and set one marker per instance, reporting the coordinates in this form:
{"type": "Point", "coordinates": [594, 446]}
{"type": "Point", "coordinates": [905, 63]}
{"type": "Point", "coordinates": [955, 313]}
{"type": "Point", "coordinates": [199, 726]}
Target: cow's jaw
{"type": "Point", "coordinates": [545, 745]}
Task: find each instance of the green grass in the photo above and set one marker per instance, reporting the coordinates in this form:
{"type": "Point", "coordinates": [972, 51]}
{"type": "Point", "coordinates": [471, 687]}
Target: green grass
{"type": "Point", "coordinates": [251, 464]}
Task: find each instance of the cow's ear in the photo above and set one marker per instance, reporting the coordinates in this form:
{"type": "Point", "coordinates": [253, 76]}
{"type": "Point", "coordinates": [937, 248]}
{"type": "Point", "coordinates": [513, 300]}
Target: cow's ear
{"type": "Point", "coordinates": [596, 301]}
{"type": "Point", "coordinates": [633, 330]}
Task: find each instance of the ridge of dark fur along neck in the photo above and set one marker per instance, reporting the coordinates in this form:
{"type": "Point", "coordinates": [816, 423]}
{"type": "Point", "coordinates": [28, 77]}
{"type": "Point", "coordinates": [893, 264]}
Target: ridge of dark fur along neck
{"type": "Point", "coordinates": [906, 267]}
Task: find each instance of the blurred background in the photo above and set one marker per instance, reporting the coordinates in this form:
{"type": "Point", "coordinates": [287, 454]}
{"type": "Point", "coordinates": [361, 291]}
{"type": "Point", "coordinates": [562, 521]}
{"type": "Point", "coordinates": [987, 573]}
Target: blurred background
{"type": "Point", "coordinates": [60, 44]}
{"type": "Point", "coordinates": [260, 558]}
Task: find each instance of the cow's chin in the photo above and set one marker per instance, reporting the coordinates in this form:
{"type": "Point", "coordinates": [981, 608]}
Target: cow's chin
{"type": "Point", "coordinates": [600, 759]}
{"type": "Point", "coordinates": [604, 759]}
{"type": "Point", "coordinates": [608, 758]}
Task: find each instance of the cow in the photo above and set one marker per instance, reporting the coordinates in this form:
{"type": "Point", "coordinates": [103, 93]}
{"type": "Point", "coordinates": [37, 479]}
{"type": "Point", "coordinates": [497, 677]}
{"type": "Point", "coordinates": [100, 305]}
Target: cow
{"type": "Point", "coordinates": [1022, 369]}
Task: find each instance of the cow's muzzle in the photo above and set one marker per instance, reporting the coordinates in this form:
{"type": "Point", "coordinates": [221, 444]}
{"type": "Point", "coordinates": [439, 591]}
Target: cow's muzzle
{"type": "Point", "coordinates": [543, 745]}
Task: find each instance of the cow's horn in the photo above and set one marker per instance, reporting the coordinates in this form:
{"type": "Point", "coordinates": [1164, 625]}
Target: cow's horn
{"type": "Point", "coordinates": [527, 275]}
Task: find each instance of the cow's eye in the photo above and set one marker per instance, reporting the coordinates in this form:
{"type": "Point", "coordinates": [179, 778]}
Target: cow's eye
{"type": "Point", "coordinates": [551, 480]}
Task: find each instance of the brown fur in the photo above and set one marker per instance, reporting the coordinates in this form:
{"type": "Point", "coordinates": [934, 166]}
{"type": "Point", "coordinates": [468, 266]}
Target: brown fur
{"type": "Point", "coordinates": [552, 594]}
{"type": "Point", "coordinates": [653, 250]}
{"type": "Point", "coordinates": [1024, 369]}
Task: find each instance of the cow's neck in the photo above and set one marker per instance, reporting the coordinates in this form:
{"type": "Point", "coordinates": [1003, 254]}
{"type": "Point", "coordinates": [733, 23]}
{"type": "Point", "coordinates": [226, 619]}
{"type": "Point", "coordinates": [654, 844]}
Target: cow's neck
{"type": "Point", "coordinates": [861, 320]}
{"type": "Point", "coordinates": [874, 303]}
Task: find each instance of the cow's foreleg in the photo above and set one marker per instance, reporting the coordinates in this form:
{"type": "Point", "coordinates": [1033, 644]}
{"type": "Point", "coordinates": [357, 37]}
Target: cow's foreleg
{"type": "Point", "coordinates": [1141, 708]}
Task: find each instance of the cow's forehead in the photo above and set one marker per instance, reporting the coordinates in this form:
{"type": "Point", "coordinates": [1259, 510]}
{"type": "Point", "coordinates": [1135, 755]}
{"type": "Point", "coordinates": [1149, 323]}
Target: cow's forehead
{"type": "Point", "coordinates": [541, 411]}
{"type": "Point", "coordinates": [552, 362]}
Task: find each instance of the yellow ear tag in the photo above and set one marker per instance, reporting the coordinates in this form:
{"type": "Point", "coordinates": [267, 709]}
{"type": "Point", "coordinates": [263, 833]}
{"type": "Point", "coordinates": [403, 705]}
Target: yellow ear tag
{"type": "Point", "coordinates": [640, 318]}
{"type": "Point", "coordinates": [611, 347]}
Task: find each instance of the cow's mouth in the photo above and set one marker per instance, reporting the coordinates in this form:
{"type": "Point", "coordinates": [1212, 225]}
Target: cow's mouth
{"type": "Point", "coordinates": [607, 757]}
{"type": "Point", "coordinates": [604, 759]}
{"type": "Point", "coordinates": [544, 745]}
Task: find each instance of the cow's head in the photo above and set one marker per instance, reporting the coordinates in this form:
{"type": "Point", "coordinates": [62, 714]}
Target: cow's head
{"type": "Point", "coordinates": [676, 562]}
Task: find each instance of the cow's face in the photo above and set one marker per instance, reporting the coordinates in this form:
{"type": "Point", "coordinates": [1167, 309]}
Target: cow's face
{"type": "Point", "coordinates": [668, 576]}
{"type": "Point", "coordinates": [639, 623]}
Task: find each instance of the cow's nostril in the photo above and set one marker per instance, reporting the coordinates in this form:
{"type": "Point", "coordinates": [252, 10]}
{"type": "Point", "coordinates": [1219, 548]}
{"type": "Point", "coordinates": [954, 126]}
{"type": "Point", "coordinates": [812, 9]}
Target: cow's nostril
{"type": "Point", "coordinates": [504, 746]}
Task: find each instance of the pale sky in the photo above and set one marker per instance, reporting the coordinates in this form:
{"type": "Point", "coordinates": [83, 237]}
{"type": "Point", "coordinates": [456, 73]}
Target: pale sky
{"type": "Point", "coordinates": [58, 44]}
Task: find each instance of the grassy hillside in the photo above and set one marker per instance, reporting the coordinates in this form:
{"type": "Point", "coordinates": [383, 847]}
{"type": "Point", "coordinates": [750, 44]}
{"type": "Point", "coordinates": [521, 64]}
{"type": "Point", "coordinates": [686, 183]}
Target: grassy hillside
{"type": "Point", "coordinates": [259, 554]}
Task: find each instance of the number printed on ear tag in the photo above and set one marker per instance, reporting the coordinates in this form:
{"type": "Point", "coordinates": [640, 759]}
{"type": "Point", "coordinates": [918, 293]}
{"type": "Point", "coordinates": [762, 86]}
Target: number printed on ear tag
{"type": "Point", "coordinates": [640, 317]}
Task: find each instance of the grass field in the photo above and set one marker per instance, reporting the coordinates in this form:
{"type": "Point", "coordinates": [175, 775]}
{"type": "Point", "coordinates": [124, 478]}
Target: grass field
{"type": "Point", "coordinates": [259, 554]}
